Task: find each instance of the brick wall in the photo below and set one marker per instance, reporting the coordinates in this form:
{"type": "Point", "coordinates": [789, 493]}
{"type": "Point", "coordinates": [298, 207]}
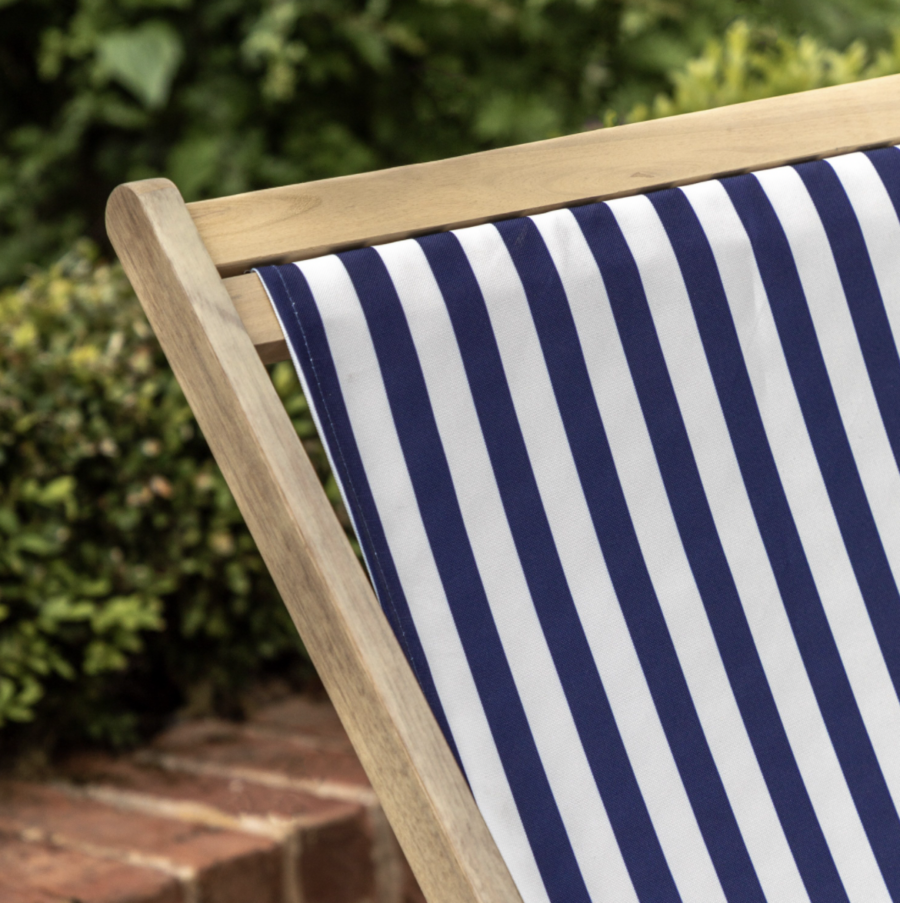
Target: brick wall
{"type": "Point", "coordinates": [275, 810]}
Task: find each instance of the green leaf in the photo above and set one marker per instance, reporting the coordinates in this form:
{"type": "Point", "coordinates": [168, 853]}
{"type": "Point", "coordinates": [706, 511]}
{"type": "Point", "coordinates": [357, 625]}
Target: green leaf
{"type": "Point", "coordinates": [100, 656]}
{"type": "Point", "coordinates": [30, 693]}
{"type": "Point", "coordinates": [9, 523]}
{"type": "Point", "coordinates": [144, 60]}
{"type": "Point", "coordinates": [7, 692]}
{"type": "Point", "coordinates": [59, 608]}
{"type": "Point", "coordinates": [58, 490]}
{"type": "Point", "coordinates": [37, 545]}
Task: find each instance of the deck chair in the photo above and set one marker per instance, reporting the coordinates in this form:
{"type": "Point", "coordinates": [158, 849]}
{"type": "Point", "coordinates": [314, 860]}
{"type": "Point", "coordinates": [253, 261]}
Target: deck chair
{"type": "Point", "coordinates": [617, 419]}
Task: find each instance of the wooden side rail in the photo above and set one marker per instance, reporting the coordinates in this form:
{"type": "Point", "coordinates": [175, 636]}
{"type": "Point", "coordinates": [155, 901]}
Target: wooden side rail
{"type": "Point", "coordinates": [424, 794]}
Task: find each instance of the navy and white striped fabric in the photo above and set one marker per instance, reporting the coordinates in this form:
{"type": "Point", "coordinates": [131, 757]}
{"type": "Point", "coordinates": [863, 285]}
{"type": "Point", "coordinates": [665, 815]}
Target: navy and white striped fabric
{"type": "Point", "coordinates": [626, 480]}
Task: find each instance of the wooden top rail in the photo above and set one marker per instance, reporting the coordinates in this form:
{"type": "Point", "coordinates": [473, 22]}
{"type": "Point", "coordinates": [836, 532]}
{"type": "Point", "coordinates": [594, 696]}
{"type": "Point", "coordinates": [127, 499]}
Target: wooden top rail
{"type": "Point", "coordinates": [296, 222]}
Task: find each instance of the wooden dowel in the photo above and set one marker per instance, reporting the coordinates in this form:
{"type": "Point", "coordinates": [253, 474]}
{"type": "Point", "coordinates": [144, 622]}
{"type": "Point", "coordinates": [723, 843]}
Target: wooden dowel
{"type": "Point", "coordinates": [253, 306]}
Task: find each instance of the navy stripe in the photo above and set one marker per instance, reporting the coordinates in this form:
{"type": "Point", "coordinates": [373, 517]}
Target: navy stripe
{"type": "Point", "coordinates": [290, 292]}
{"type": "Point", "coordinates": [873, 330]}
{"type": "Point", "coordinates": [544, 574]}
{"type": "Point", "coordinates": [748, 681]}
{"type": "Point", "coordinates": [826, 431]}
{"type": "Point", "coordinates": [439, 507]}
{"type": "Point", "coordinates": [886, 161]}
{"type": "Point", "coordinates": [616, 533]}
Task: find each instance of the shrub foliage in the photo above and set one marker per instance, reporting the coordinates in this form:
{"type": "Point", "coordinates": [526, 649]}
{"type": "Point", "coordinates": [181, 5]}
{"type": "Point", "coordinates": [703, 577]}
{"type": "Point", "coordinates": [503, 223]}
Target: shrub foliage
{"type": "Point", "coordinates": [115, 523]}
{"type": "Point", "coordinates": [129, 585]}
{"type": "Point", "coordinates": [750, 63]}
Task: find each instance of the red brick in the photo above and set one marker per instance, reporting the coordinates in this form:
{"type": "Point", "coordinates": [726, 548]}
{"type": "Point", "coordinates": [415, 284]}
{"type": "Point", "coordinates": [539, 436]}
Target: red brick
{"type": "Point", "coordinates": [233, 875]}
{"type": "Point", "coordinates": [336, 863]}
{"type": "Point", "coordinates": [226, 862]}
{"type": "Point", "coordinates": [293, 756]}
{"type": "Point", "coordinates": [233, 796]}
{"type": "Point", "coordinates": [289, 774]}
{"type": "Point", "coordinates": [31, 870]}
{"type": "Point", "coordinates": [314, 719]}
{"type": "Point", "coordinates": [333, 837]}
{"type": "Point", "coordinates": [304, 741]}
{"type": "Point", "coordinates": [10, 894]}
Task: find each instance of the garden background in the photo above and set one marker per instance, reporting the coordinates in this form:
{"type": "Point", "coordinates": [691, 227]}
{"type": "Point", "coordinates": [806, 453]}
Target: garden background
{"type": "Point", "coordinates": [130, 591]}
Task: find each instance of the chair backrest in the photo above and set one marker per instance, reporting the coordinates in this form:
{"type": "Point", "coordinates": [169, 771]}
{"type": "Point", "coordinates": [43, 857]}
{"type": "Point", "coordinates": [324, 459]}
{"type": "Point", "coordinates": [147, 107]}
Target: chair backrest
{"type": "Point", "coordinates": [176, 256]}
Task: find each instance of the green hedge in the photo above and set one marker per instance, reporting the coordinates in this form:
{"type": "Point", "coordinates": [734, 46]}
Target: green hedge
{"type": "Point", "coordinates": [128, 582]}
{"type": "Point", "coordinates": [230, 95]}
{"type": "Point", "coordinates": [749, 63]}
{"type": "Point", "coordinates": [129, 586]}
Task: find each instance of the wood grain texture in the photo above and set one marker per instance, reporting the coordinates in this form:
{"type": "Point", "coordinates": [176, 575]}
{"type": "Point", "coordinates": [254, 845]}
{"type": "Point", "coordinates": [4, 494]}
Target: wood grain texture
{"type": "Point", "coordinates": [412, 770]}
{"type": "Point", "coordinates": [300, 221]}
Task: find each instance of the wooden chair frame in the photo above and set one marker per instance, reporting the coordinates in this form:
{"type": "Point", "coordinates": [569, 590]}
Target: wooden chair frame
{"type": "Point", "coordinates": [217, 329]}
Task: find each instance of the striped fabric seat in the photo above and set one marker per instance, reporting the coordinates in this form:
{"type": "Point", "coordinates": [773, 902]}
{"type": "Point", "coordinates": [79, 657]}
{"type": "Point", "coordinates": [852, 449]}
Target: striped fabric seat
{"type": "Point", "coordinates": [626, 481]}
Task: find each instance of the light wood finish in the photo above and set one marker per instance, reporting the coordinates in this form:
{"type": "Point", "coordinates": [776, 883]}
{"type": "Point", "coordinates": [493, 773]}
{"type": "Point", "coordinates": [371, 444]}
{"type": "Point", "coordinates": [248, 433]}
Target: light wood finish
{"type": "Point", "coordinates": [299, 221]}
{"type": "Point", "coordinates": [367, 677]}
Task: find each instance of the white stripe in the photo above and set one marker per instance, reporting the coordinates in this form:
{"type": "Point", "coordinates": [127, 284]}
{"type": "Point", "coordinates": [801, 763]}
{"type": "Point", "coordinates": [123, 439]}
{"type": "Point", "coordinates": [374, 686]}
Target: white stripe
{"type": "Point", "coordinates": [880, 226]}
{"type": "Point", "coordinates": [585, 569]}
{"type": "Point", "coordinates": [379, 446]}
{"type": "Point", "coordinates": [859, 413]}
{"type": "Point", "coordinates": [664, 552]}
{"type": "Point", "coordinates": [811, 509]}
{"type": "Point", "coordinates": [534, 672]}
